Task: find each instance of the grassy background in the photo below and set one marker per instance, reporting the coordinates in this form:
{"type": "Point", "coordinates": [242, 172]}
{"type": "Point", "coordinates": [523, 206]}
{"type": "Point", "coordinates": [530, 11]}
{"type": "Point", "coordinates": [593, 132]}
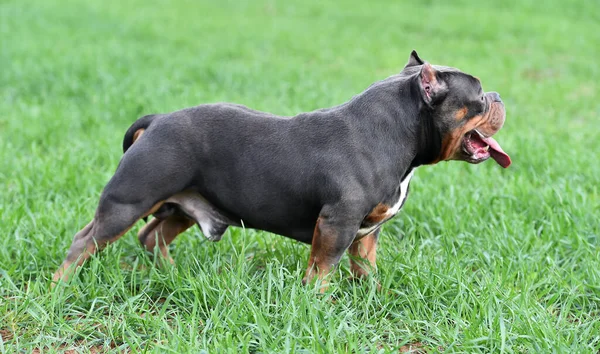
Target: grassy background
{"type": "Point", "coordinates": [480, 259]}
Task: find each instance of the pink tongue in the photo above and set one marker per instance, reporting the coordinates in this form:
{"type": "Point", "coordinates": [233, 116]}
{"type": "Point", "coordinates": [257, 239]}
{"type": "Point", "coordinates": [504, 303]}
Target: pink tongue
{"type": "Point", "coordinates": [497, 153]}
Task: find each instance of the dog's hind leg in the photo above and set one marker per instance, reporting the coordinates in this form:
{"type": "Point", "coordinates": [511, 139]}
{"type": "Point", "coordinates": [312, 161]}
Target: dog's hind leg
{"type": "Point", "coordinates": [162, 232]}
{"type": "Point", "coordinates": [112, 220]}
{"type": "Point", "coordinates": [135, 191]}
{"type": "Point", "coordinates": [178, 213]}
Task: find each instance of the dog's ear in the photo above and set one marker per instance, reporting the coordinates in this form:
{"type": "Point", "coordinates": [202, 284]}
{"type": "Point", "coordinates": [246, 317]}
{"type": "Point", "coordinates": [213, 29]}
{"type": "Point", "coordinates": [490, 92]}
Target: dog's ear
{"type": "Point", "coordinates": [431, 84]}
{"type": "Point", "coordinates": [414, 60]}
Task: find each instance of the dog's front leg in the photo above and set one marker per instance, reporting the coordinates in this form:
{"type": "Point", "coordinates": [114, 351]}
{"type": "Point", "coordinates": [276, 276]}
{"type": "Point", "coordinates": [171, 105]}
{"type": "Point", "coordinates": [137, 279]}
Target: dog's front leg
{"type": "Point", "coordinates": [335, 231]}
{"type": "Point", "coordinates": [363, 253]}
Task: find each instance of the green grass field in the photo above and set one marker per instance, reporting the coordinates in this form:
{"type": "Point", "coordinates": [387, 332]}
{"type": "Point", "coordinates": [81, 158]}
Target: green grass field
{"type": "Point", "coordinates": [480, 259]}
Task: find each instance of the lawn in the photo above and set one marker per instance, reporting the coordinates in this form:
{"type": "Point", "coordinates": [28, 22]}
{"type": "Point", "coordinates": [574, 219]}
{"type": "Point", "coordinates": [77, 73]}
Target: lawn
{"type": "Point", "coordinates": [480, 259]}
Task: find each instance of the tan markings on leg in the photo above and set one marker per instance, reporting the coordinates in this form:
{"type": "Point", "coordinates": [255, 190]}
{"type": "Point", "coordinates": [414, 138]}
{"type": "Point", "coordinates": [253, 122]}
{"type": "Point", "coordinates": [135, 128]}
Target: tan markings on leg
{"type": "Point", "coordinates": [64, 272]}
{"type": "Point", "coordinates": [60, 273]}
{"type": "Point", "coordinates": [321, 262]}
{"type": "Point", "coordinates": [164, 232]}
{"type": "Point", "coordinates": [361, 251]}
{"type": "Point", "coordinates": [84, 245]}
{"type": "Point", "coordinates": [138, 134]}
{"type": "Point", "coordinates": [310, 270]}
{"type": "Point", "coordinates": [147, 229]}
{"type": "Point", "coordinates": [79, 236]}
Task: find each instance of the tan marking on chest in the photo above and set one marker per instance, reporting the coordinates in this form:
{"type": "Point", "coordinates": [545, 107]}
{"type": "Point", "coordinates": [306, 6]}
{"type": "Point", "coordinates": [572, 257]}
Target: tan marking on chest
{"type": "Point", "coordinates": [378, 214]}
{"type": "Point", "coordinates": [383, 212]}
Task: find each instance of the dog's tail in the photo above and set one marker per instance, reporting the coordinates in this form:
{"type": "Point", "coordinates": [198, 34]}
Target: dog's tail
{"type": "Point", "coordinates": [136, 130]}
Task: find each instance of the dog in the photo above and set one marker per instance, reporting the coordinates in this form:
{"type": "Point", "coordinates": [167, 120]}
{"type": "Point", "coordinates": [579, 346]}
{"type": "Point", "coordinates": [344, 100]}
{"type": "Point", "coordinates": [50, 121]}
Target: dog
{"type": "Point", "coordinates": [331, 177]}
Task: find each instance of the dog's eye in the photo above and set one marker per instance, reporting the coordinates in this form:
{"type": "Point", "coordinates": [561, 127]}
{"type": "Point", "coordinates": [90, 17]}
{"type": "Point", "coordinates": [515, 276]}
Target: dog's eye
{"type": "Point", "coordinates": [482, 97]}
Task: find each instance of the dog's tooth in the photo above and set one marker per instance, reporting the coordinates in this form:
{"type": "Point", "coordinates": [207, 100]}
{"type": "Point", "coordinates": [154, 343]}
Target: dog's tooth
{"type": "Point", "coordinates": [486, 148]}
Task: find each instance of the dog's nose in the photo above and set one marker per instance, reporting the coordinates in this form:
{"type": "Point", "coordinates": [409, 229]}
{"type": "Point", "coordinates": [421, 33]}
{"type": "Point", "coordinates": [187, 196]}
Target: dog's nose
{"type": "Point", "coordinates": [495, 96]}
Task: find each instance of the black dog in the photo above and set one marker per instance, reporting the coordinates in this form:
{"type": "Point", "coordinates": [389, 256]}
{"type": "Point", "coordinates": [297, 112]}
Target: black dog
{"type": "Point", "coordinates": [330, 177]}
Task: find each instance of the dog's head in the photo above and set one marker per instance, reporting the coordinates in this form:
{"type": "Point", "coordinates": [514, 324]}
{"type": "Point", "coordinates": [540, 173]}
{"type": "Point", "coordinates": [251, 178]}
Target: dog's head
{"type": "Point", "coordinates": [464, 116]}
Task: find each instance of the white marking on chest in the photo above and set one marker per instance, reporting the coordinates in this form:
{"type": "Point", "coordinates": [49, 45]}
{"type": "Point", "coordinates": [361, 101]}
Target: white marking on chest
{"type": "Point", "coordinates": [403, 190]}
{"type": "Point", "coordinates": [394, 209]}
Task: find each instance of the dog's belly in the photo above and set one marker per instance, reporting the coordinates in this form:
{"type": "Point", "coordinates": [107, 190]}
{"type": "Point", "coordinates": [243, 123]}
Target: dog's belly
{"type": "Point", "coordinates": [288, 215]}
{"type": "Point", "coordinates": [282, 216]}
{"type": "Point", "coordinates": [214, 221]}
{"type": "Point", "coordinates": [298, 224]}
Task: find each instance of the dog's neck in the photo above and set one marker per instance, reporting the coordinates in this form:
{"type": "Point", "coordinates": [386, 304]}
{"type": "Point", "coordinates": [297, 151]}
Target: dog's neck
{"type": "Point", "coordinates": [429, 139]}
{"type": "Point", "coordinates": [394, 108]}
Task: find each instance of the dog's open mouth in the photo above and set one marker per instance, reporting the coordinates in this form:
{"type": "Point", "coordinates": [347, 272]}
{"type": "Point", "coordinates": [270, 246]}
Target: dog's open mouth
{"type": "Point", "coordinates": [479, 148]}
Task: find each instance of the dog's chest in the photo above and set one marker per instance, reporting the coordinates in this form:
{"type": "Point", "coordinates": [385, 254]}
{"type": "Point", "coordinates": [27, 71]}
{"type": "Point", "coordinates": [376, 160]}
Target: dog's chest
{"type": "Point", "coordinates": [385, 211]}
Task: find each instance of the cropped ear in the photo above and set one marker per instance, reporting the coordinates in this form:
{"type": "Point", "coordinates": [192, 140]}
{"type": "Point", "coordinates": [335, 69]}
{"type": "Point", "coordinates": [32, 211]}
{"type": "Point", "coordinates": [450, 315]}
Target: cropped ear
{"type": "Point", "coordinates": [431, 84]}
{"type": "Point", "coordinates": [414, 60]}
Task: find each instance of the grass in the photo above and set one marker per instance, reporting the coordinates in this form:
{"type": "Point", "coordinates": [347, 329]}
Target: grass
{"type": "Point", "coordinates": [479, 260]}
